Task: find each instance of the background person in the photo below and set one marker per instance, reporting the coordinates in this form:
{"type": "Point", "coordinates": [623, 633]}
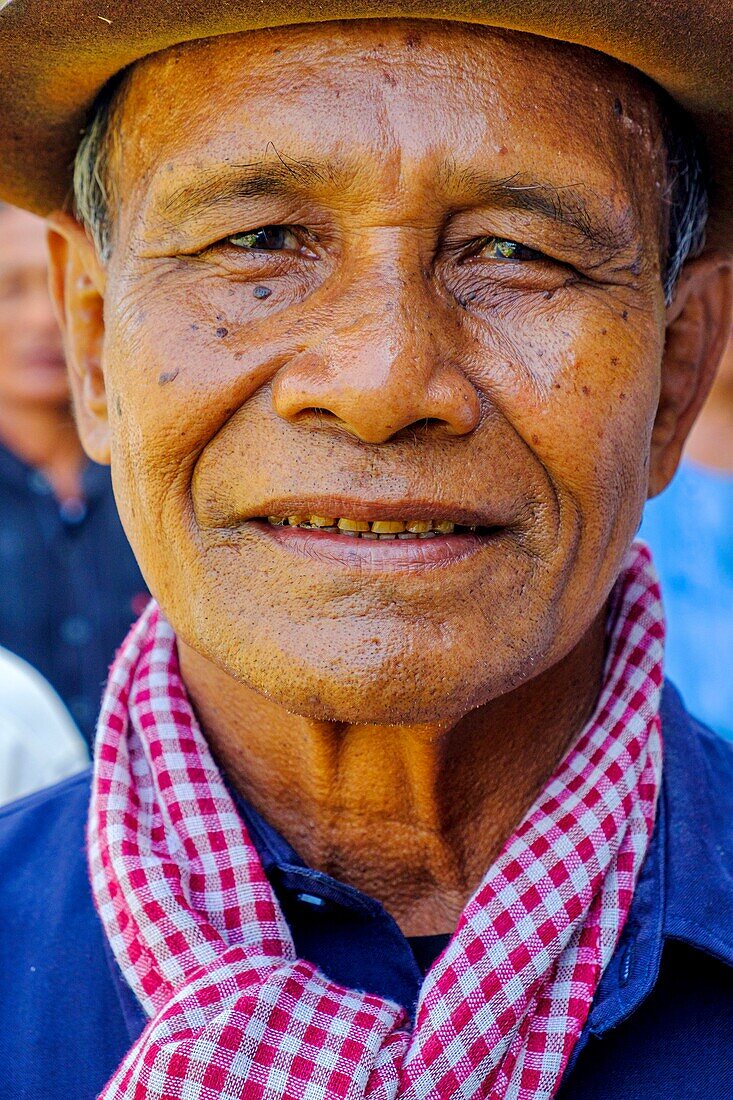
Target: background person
{"type": "Point", "coordinates": [70, 584]}
{"type": "Point", "coordinates": [690, 529]}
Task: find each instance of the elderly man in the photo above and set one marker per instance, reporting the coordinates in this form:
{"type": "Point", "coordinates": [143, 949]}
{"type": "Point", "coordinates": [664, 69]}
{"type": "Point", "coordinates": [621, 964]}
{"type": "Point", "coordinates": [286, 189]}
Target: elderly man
{"type": "Point", "coordinates": [387, 327]}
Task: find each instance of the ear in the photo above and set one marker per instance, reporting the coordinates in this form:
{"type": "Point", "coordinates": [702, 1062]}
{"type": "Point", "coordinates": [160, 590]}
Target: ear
{"type": "Point", "coordinates": [76, 282]}
{"type": "Point", "coordinates": [698, 322]}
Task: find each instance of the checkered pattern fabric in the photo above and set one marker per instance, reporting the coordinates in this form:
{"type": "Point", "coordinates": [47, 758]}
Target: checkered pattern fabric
{"type": "Point", "coordinates": [197, 931]}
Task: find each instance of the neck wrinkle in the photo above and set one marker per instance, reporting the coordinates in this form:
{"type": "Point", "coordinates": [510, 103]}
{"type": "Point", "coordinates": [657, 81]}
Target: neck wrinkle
{"type": "Point", "coordinates": [411, 815]}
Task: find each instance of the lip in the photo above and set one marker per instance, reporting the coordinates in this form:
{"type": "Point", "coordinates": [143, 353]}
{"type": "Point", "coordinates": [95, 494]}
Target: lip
{"type": "Point", "coordinates": [398, 555]}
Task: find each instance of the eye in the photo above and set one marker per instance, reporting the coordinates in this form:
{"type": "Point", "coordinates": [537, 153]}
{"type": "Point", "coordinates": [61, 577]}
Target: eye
{"type": "Point", "coordinates": [497, 248]}
{"type": "Point", "coordinates": [268, 238]}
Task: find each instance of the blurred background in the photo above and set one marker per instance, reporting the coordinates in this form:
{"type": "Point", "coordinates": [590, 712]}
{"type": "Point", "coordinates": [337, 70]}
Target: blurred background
{"type": "Point", "coordinates": [70, 587]}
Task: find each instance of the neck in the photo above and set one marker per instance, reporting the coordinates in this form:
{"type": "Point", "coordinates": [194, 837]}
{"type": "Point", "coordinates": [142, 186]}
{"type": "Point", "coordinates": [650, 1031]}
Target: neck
{"type": "Point", "coordinates": [45, 437]}
{"type": "Point", "coordinates": [411, 815]}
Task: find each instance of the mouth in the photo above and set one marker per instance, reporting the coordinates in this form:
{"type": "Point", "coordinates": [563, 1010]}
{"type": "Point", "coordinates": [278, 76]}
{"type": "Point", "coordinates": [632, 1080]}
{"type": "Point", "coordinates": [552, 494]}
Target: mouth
{"type": "Point", "coordinates": [379, 544]}
{"type": "Point", "coordinates": [378, 530]}
{"type": "Point", "coordinates": [47, 360]}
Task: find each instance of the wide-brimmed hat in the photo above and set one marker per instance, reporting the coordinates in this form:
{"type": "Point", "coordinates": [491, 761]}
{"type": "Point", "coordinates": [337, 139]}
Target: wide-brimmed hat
{"type": "Point", "coordinates": [56, 55]}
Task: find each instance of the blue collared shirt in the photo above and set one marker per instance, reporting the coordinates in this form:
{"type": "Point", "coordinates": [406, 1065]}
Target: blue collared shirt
{"type": "Point", "coordinates": [659, 1024]}
{"type": "Point", "coordinates": [70, 585]}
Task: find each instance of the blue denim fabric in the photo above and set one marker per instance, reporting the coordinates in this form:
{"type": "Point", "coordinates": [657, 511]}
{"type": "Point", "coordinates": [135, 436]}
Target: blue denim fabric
{"type": "Point", "coordinates": [659, 1025]}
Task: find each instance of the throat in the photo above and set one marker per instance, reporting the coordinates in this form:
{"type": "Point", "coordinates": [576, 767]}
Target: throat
{"type": "Point", "coordinates": [412, 816]}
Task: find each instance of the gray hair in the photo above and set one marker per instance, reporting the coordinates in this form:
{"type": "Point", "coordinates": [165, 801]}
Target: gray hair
{"type": "Point", "coordinates": [685, 199]}
{"type": "Point", "coordinates": [95, 191]}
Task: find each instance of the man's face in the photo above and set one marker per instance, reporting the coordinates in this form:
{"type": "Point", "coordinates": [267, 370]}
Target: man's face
{"type": "Point", "coordinates": [32, 368]}
{"type": "Point", "coordinates": [383, 271]}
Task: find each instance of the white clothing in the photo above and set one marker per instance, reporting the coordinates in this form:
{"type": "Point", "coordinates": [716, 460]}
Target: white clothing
{"type": "Point", "coordinates": [39, 743]}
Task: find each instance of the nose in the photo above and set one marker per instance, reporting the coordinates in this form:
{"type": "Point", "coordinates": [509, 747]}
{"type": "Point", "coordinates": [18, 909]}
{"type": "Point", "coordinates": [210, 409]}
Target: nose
{"type": "Point", "coordinates": [389, 365]}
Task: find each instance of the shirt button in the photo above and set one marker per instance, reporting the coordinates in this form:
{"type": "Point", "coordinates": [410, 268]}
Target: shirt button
{"type": "Point", "coordinates": [37, 483]}
{"type": "Point", "coordinates": [76, 630]}
{"type": "Point", "coordinates": [73, 512]}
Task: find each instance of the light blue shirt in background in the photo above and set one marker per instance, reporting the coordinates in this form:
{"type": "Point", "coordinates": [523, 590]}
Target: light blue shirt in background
{"type": "Point", "coordinates": [689, 528]}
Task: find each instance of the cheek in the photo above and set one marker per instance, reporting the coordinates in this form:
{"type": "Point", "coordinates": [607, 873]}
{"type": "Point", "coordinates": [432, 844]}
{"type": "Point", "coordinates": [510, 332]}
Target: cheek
{"type": "Point", "coordinates": [175, 376]}
{"type": "Point", "coordinates": [583, 398]}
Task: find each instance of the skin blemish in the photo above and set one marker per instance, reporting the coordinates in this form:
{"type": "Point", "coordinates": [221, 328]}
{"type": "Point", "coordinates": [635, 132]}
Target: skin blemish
{"type": "Point", "coordinates": [618, 108]}
{"type": "Point", "coordinates": [118, 405]}
{"type": "Point", "coordinates": [262, 292]}
{"type": "Point", "coordinates": [194, 328]}
{"type": "Point", "coordinates": [167, 376]}
{"type": "Point", "coordinates": [625, 315]}
{"type": "Point", "coordinates": [586, 391]}
{"type": "Point", "coordinates": [222, 332]}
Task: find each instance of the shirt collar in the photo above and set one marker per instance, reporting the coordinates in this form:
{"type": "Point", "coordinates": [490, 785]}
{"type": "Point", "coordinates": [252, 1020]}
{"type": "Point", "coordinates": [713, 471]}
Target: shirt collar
{"type": "Point", "coordinates": [14, 471]}
{"type": "Point", "coordinates": [685, 890]}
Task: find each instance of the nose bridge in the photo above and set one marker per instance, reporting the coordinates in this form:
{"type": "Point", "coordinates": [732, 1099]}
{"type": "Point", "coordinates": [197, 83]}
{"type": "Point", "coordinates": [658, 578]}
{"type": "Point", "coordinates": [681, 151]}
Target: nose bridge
{"type": "Point", "coordinates": [386, 334]}
{"type": "Point", "coordinates": [385, 364]}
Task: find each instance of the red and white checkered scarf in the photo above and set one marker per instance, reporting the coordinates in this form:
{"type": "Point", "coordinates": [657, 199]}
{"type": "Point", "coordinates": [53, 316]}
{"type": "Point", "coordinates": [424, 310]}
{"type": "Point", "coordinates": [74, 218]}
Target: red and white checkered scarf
{"type": "Point", "coordinates": [200, 937]}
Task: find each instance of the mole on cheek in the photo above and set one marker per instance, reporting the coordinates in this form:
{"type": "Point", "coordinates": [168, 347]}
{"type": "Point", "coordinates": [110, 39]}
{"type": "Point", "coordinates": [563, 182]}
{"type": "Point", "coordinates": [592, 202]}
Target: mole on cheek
{"type": "Point", "coordinates": [167, 376]}
{"type": "Point", "coordinates": [262, 292]}
{"type": "Point", "coordinates": [222, 332]}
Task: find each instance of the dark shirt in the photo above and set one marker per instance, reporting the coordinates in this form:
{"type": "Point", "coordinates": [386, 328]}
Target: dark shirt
{"type": "Point", "coordinates": [659, 1024]}
{"type": "Point", "coordinates": [70, 584]}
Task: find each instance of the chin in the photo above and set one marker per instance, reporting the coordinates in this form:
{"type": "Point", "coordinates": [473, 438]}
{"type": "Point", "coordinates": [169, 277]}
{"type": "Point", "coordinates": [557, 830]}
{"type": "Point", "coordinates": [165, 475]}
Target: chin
{"type": "Point", "coordinates": [393, 680]}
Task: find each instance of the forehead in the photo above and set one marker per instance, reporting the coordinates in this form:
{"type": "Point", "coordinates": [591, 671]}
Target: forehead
{"type": "Point", "coordinates": [397, 98]}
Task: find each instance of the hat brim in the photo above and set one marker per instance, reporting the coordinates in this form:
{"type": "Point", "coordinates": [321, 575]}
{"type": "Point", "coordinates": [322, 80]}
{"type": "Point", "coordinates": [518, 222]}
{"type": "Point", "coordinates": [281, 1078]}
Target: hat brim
{"type": "Point", "coordinates": [55, 57]}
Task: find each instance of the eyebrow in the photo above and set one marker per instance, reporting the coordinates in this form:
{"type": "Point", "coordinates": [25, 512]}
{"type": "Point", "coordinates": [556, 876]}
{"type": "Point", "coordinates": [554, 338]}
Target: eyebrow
{"type": "Point", "coordinates": [598, 223]}
{"type": "Point", "coordinates": [281, 176]}
{"type": "Point", "coordinates": [602, 227]}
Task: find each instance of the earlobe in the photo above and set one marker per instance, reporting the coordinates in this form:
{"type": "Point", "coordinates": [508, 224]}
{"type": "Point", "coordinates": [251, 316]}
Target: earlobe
{"type": "Point", "coordinates": [698, 323]}
{"type": "Point", "coordinates": [77, 283]}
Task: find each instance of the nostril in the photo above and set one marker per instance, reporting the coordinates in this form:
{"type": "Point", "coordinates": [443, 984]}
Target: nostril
{"type": "Point", "coordinates": [318, 413]}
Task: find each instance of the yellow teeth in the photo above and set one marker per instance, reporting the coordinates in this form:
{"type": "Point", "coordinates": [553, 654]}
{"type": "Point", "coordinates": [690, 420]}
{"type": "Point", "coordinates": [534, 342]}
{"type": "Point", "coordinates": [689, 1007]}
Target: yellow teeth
{"type": "Point", "coordinates": [387, 527]}
{"type": "Point", "coordinates": [358, 525]}
{"type": "Point", "coordinates": [376, 529]}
